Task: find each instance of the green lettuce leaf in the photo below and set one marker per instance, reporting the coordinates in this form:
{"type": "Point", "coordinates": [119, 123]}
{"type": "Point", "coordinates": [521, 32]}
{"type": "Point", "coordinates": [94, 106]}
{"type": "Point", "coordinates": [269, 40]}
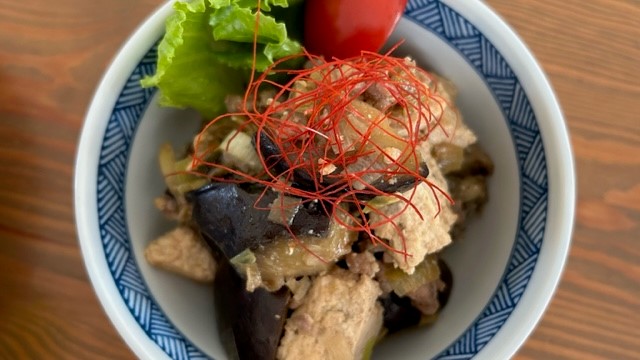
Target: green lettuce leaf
{"type": "Point", "coordinates": [235, 23]}
{"type": "Point", "coordinates": [265, 5]}
{"type": "Point", "coordinates": [207, 51]}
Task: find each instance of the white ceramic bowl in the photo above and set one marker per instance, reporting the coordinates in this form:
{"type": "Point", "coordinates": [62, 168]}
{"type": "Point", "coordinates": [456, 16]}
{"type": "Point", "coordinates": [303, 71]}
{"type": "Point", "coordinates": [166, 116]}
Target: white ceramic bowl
{"type": "Point", "coordinates": [505, 271]}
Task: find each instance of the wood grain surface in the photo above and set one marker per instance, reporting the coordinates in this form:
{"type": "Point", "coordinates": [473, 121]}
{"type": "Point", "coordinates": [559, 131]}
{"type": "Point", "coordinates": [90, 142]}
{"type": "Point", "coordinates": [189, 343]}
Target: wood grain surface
{"type": "Point", "coordinates": [52, 54]}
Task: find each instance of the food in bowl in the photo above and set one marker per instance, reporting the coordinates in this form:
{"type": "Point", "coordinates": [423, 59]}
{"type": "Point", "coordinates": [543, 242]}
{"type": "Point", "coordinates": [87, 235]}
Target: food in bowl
{"type": "Point", "coordinates": [320, 198]}
{"type": "Point", "coordinates": [505, 270]}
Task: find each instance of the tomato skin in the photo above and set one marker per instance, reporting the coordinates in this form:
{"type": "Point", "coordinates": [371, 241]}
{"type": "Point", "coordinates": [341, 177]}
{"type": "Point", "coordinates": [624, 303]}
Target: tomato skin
{"type": "Point", "coordinates": [344, 28]}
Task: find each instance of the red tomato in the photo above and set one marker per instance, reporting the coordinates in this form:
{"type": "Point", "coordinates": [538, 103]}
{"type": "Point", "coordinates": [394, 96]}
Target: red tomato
{"type": "Point", "coordinates": [343, 28]}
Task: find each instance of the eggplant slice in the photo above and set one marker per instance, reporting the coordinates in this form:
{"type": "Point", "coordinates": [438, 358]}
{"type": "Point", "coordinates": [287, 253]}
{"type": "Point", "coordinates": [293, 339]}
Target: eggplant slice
{"type": "Point", "coordinates": [278, 163]}
{"type": "Point", "coordinates": [247, 226]}
{"type": "Point", "coordinates": [399, 314]}
{"type": "Point", "coordinates": [251, 323]}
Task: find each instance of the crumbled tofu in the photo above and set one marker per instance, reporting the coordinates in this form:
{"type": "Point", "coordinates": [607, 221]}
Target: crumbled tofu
{"type": "Point", "coordinates": [421, 236]}
{"type": "Point", "coordinates": [339, 316]}
{"type": "Point", "coordinates": [182, 251]}
{"type": "Point", "coordinates": [299, 289]}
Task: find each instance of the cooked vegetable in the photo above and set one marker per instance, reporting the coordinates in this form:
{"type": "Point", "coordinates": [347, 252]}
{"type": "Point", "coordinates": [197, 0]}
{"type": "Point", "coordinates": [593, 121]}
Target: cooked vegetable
{"type": "Point", "coordinates": [402, 283]}
{"type": "Point", "coordinates": [399, 313]}
{"type": "Point", "coordinates": [245, 264]}
{"type": "Point", "coordinates": [448, 156]}
{"type": "Point", "coordinates": [306, 255]}
{"type": "Point", "coordinates": [466, 171]}
{"type": "Point", "coordinates": [284, 209]}
{"type": "Point", "coordinates": [420, 306]}
{"type": "Point", "coordinates": [476, 162]}
{"type": "Point", "coordinates": [208, 143]}
{"type": "Point", "coordinates": [447, 278]}
{"type": "Point", "coordinates": [457, 161]}
{"type": "Point", "coordinates": [207, 51]}
{"type": "Point", "coordinates": [233, 219]}
{"type": "Point", "coordinates": [175, 172]}
{"type": "Point", "coordinates": [321, 191]}
{"type": "Point", "coordinates": [375, 165]}
{"type": "Point", "coordinates": [359, 146]}
{"type": "Point", "coordinates": [251, 322]}
{"type": "Point", "coordinates": [343, 28]}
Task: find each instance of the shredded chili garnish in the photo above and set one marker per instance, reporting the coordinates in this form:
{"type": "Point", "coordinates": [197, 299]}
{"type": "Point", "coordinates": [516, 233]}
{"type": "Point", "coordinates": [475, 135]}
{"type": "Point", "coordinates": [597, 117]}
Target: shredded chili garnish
{"type": "Point", "coordinates": [345, 149]}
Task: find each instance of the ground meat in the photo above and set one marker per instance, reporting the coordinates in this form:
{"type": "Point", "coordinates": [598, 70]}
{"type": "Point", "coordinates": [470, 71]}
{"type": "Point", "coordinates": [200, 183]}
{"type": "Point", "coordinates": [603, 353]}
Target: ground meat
{"type": "Point", "coordinates": [172, 208]}
{"type": "Point", "coordinates": [233, 103]}
{"type": "Point", "coordinates": [425, 298]}
{"type": "Point", "coordinates": [379, 97]}
{"type": "Point", "coordinates": [362, 263]}
{"type": "Point", "coordinates": [302, 322]}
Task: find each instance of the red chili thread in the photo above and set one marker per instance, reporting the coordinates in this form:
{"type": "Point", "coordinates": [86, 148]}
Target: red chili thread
{"type": "Point", "coordinates": [329, 117]}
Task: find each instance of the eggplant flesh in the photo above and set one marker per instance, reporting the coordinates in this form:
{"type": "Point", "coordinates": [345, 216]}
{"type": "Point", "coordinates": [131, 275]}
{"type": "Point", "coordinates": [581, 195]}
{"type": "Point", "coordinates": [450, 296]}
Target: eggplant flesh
{"type": "Point", "coordinates": [232, 219]}
{"type": "Point", "coordinates": [251, 323]}
{"type": "Point", "coordinates": [303, 180]}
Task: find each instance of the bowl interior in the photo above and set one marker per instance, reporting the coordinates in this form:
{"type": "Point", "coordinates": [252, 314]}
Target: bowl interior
{"type": "Point", "coordinates": [492, 265]}
{"type": "Point", "coordinates": [486, 246]}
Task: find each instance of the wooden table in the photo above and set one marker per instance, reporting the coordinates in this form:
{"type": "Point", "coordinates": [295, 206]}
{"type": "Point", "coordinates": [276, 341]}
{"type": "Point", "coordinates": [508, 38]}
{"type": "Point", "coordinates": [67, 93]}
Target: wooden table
{"type": "Point", "coordinates": [52, 54]}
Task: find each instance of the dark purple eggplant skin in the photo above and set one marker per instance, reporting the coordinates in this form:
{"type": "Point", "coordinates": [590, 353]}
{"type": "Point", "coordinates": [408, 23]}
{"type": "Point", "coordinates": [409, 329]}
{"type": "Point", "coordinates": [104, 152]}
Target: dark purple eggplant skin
{"type": "Point", "coordinates": [447, 277]}
{"type": "Point", "coordinates": [250, 323]}
{"type": "Point", "coordinates": [399, 314]}
{"type": "Point", "coordinates": [270, 153]}
{"type": "Point", "coordinates": [277, 163]}
{"type": "Point", "coordinates": [303, 180]}
{"type": "Point", "coordinates": [227, 217]}
{"type": "Point", "coordinates": [402, 183]}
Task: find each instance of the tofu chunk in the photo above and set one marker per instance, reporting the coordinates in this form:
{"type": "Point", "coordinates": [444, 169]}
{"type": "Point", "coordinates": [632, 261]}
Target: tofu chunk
{"type": "Point", "coordinates": [182, 251]}
{"type": "Point", "coordinates": [422, 236]}
{"type": "Point", "coordinates": [444, 119]}
{"type": "Point", "coordinates": [451, 127]}
{"type": "Point", "coordinates": [338, 319]}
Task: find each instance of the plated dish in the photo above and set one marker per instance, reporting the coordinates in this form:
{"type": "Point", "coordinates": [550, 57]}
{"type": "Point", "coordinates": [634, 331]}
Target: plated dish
{"type": "Point", "coordinates": [121, 262]}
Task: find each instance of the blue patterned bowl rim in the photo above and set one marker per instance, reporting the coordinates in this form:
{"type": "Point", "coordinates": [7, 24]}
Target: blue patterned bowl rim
{"type": "Point", "coordinates": [109, 173]}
